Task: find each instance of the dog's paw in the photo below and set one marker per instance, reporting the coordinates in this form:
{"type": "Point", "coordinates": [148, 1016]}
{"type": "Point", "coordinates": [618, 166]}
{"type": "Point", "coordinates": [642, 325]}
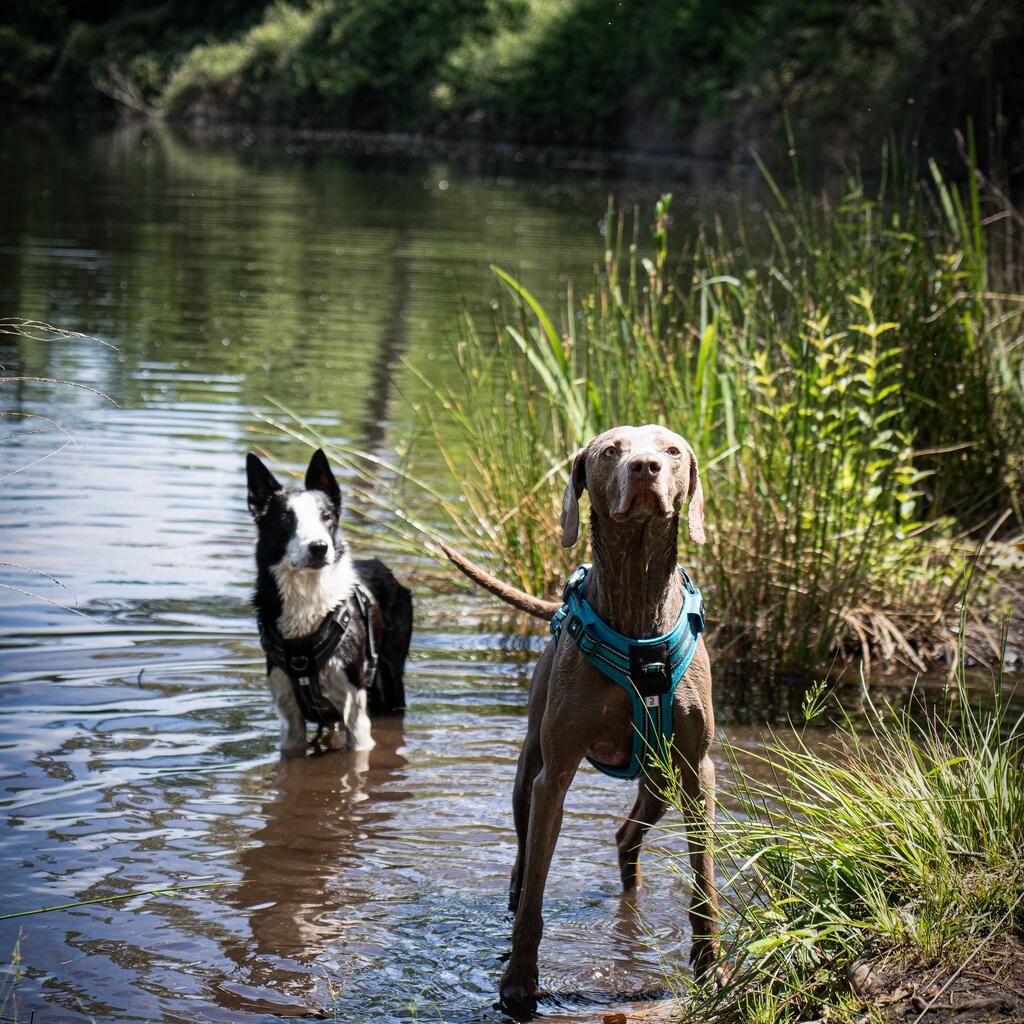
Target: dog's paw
{"type": "Point", "coordinates": [704, 956]}
{"type": "Point", "coordinates": [723, 974]}
{"type": "Point", "coordinates": [518, 993]}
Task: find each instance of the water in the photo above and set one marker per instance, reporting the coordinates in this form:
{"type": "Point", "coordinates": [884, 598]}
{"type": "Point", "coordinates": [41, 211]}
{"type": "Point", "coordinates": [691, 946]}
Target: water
{"type": "Point", "coordinates": [137, 743]}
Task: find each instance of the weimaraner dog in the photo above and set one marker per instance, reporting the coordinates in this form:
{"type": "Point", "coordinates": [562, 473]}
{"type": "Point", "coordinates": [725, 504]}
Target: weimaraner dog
{"type": "Point", "coordinates": [638, 479]}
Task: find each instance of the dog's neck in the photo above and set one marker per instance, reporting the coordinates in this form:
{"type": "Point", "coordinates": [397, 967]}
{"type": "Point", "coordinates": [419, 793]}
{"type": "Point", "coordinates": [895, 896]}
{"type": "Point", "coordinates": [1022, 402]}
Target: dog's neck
{"type": "Point", "coordinates": [308, 595]}
{"type": "Point", "coordinates": [633, 584]}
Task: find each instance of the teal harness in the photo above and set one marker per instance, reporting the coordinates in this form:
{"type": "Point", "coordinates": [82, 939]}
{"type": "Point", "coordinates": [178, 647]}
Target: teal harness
{"type": "Point", "coordinates": [648, 670]}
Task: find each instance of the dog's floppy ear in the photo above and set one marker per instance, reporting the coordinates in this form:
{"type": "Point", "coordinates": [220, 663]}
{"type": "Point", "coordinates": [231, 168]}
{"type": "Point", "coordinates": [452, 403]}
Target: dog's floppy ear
{"type": "Point", "coordinates": [320, 478]}
{"type": "Point", "coordinates": [262, 485]}
{"type": "Point", "coordinates": [695, 513]}
{"type": "Point", "coordinates": [570, 518]}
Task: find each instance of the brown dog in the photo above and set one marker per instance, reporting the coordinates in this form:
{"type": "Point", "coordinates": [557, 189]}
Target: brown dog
{"type": "Point", "coordinates": [638, 479]}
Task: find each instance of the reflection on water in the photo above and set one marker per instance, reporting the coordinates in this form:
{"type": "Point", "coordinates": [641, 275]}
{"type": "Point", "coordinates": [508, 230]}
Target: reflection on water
{"type": "Point", "coordinates": [321, 813]}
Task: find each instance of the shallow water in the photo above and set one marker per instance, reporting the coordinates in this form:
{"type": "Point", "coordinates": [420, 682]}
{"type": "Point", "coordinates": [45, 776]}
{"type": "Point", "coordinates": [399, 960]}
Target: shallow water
{"type": "Point", "coordinates": [137, 744]}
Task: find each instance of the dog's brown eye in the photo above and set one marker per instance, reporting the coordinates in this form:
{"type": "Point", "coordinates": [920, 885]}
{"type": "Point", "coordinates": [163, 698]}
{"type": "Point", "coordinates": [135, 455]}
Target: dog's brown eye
{"type": "Point", "coordinates": [673, 451]}
{"type": "Point", "coordinates": [610, 450]}
{"type": "Point", "coordinates": [325, 516]}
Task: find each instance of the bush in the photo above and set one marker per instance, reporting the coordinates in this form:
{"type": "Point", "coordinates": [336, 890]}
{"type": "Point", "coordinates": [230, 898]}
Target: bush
{"type": "Point", "coordinates": [23, 65]}
{"type": "Point", "coordinates": [369, 65]}
{"type": "Point", "coordinates": [708, 76]}
{"type": "Point", "coordinates": [592, 70]}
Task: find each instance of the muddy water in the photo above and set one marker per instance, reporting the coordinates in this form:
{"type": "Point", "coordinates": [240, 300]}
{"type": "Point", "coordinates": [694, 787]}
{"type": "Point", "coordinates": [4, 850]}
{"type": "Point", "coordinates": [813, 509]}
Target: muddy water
{"type": "Point", "coordinates": [137, 745]}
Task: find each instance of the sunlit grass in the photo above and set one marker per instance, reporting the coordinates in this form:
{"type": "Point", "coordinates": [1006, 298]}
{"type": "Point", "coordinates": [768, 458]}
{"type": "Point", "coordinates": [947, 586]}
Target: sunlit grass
{"type": "Point", "coordinates": [900, 838]}
{"type": "Point", "coordinates": [849, 393]}
{"type": "Point", "coordinates": [844, 393]}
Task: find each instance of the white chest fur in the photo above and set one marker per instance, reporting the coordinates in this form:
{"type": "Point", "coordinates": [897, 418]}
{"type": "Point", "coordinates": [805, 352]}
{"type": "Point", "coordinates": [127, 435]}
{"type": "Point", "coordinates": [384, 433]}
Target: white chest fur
{"type": "Point", "coordinates": [307, 595]}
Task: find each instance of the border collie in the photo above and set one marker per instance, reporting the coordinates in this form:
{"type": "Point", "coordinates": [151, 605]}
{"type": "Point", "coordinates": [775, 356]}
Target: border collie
{"type": "Point", "coordinates": [336, 631]}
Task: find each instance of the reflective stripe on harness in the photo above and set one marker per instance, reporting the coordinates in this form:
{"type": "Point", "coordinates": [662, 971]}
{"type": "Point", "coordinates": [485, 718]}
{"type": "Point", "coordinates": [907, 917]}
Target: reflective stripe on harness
{"type": "Point", "coordinates": [648, 669]}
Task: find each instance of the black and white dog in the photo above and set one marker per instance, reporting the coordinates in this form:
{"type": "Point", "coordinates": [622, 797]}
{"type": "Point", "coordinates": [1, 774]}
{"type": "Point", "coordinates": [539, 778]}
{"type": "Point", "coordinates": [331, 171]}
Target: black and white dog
{"type": "Point", "coordinates": [336, 631]}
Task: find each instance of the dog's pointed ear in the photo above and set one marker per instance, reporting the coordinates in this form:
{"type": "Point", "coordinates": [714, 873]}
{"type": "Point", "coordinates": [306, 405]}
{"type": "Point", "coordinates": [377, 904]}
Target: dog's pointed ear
{"type": "Point", "coordinates": [320, 478]}
{"type": "Point", "coordinates": [262, 485]}
{"type": "Point", "coordinates": [695, 513]}
{"type": "Point", "coordinates": [570, 518]}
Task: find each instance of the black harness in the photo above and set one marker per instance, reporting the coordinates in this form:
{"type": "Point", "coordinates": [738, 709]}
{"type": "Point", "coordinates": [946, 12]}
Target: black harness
{"type": "Point", "coordinates": [303, 658]}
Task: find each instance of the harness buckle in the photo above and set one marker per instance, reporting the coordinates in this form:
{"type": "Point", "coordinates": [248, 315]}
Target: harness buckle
{"type": "Point", "coordinates": [648, 669]}
{"type": "Point", "coordinates": [574, 584]}
{"type": "Point", "coordinates": [558, 620]}
{"type": "Point", "coordinates": [695, 610]}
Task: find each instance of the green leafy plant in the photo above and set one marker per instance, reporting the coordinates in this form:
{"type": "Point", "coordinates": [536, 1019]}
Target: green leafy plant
{"type": "Point", "coordinates": [804, 377]}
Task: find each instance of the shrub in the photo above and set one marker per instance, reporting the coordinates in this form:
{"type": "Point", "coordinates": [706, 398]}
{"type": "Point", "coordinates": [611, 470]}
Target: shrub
{"type": "Point", "coordinates": [370, 65]}
{"type": "Point", "coordinates": [804, 378]}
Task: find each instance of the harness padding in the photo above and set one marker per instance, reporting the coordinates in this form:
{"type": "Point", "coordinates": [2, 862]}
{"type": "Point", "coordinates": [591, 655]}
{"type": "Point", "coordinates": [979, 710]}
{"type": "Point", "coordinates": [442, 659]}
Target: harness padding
{"type": "Point", "coordinates": [303, 658]}
{"type": "Point", "coordinates": [647, 668]}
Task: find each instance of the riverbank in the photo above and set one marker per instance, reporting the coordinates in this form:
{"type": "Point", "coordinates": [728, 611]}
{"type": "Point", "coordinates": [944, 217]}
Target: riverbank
{"type": "Point", "coordinates": [477, 155]}
{"type": "Point", "coordinates": [683, 78]}
{"type": "Point", "coordinates": [878, 877]}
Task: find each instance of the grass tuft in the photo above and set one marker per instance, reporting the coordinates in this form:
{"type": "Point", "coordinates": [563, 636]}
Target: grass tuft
{"type": "Point", "coordinates": [899, 839]}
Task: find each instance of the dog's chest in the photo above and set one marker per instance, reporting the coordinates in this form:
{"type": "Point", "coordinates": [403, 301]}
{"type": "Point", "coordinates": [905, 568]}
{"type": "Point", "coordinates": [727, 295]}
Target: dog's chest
{"type": "Point", "coordinates": [308, 597]}
{"type": "Point", "coordinates": [333, 678]}
{"type": "Point", "coordinates": [334, 682]}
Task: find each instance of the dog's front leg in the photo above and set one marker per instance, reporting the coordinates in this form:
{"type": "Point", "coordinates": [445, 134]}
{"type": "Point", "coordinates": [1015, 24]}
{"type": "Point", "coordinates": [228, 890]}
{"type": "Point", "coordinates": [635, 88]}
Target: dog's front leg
{"type": "Point", "coordinates": [530, 761]}
{"type": "Point", "coordinates": [519, 983]}
{"type": "Point", "coordinates": [357, 721]}
{"type": "Point", "coordinates": [293, 725]}
{"type": "Point", "coordinates": [526, 773]}
{"type": "Point", "coordinates": [293, 734]}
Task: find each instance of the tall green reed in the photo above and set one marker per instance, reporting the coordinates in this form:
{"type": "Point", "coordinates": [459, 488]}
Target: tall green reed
{"type": "Point", "coordinates": [805, 372]}
{"type": "Point", "coordinates": [793, 394]}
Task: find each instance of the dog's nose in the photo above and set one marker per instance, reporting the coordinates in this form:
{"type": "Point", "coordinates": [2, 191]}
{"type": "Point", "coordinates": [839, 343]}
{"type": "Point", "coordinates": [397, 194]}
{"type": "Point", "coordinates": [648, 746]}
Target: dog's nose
{"type": "Point", "coordinates": [644, 466]}
{"type": "Point", "coordinates": [318, 549]}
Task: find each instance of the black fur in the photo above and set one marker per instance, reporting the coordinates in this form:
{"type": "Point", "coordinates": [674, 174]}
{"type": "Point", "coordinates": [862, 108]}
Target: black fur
{"type": "Point", "coordinates": [394, 606]}
{"type": "Point", "coordinates": [391, 615]}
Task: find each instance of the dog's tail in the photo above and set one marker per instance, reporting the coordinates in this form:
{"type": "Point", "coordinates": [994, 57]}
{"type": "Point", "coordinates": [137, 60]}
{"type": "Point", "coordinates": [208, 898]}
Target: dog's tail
{"type": "Point", "coordinates": [536, 606]}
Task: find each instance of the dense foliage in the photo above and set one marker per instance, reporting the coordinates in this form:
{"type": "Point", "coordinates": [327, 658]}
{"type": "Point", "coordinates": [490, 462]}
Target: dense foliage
{"type": "Point", "coordinates": [665, 74]}
{"type": "Point", "coordinates": [846, 393]}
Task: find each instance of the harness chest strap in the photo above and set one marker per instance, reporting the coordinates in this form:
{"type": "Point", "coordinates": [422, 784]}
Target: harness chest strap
{"type": "Point", "coordinates": [303, 658]}
{"type": "Point", "coordinates": [648, 669]}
